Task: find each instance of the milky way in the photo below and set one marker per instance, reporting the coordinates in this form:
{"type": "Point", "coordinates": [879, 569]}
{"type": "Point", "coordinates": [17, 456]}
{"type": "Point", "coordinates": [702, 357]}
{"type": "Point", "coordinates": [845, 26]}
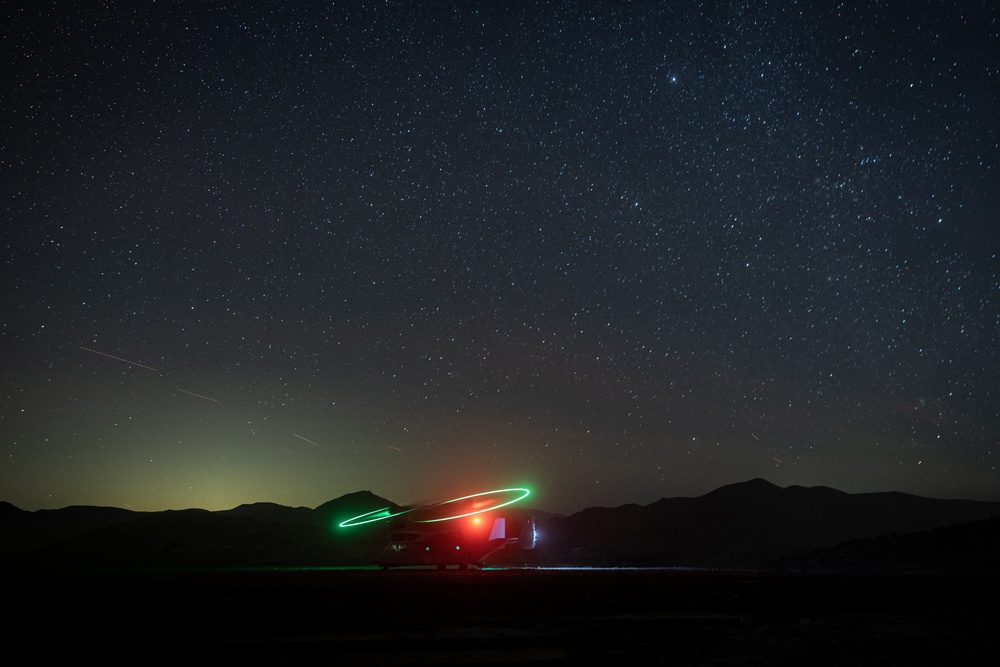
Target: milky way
{"type": "Point", "coordinates": [610, 251]}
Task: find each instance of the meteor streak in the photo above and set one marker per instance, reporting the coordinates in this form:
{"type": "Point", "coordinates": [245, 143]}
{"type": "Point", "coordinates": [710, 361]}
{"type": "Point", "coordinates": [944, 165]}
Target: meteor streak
{"type": "Point", "coordinates": [111, 356]}
{"type": "Point", "coordinates": [191, 393]}
{"type": "Point", "coordinates": [306, 439]}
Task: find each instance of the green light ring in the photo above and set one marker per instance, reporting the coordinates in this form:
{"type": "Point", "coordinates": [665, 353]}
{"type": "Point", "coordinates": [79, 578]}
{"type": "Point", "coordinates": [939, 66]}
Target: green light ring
{"type": "Point", "coordinates": [382, 515]}
{"type": "Point", "coordinates": [524, 495]}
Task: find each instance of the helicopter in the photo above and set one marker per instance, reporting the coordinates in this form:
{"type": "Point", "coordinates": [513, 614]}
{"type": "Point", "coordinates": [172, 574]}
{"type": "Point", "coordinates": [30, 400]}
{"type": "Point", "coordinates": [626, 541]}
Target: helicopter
{"type": "Point", "coordinates": [460, 532]}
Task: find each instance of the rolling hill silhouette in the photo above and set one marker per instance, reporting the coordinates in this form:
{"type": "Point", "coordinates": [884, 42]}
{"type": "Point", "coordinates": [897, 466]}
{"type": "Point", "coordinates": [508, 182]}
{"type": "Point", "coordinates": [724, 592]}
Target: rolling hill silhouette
{"type": "Point", "coordinates": [753, 524]}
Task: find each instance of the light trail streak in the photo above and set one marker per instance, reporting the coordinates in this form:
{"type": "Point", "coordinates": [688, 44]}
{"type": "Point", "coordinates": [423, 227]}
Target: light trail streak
{"type": "Point", "coordinates": [191, 393]}
{"type": "Point", "coordinates": [111, 356]}
{"type": "Point", "coordinates": [396, 448]}
{"type": "Point", "coordinates": [306, 439]}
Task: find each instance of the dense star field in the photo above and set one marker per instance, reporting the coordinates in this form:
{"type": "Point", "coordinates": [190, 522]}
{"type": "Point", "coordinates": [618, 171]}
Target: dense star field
{"type": "Point", "coordinates": [260, 251]}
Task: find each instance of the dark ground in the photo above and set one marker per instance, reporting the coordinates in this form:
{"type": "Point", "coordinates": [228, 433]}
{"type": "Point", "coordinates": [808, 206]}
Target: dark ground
{"type": "Point", "coordinates": [369, 617]}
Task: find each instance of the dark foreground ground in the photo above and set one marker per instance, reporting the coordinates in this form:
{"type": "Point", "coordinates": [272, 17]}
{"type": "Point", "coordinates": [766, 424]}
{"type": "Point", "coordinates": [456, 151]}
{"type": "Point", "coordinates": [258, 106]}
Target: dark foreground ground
{"type": "Point", "coordinates": [341, 617]}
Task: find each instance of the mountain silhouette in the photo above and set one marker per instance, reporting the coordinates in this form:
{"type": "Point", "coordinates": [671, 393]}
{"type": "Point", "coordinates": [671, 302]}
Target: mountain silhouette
{"type": "Point", "coordinates": [966, 548]}
{"type": "Point", "coordinates": [750, 524]}
{"type": "Point", "coordinates": [753, 524]}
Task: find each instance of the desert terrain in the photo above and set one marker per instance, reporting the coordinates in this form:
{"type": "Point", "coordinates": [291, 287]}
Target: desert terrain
{"type": "Point", "coordinates": [516, 617]}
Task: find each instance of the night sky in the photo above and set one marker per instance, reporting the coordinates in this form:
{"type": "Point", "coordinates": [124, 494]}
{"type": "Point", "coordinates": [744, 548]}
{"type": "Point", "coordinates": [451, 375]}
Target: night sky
{"type": "Point", "coordinates": [280, 252]}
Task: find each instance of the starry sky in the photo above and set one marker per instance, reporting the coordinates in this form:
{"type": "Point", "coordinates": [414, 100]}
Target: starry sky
{"type": "Point", "coordinates": [280, 252]}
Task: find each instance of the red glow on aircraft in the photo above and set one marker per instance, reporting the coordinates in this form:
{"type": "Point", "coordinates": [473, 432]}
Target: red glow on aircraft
{"type": "Point", "coordinates": [433, 535]}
